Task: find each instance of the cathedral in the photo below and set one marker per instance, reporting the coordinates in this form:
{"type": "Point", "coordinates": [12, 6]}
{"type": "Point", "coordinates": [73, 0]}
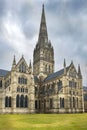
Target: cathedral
{"type": "Point", "coordinates": [39, 89]}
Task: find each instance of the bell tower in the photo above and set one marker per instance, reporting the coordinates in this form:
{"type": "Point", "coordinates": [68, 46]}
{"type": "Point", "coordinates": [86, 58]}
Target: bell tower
{"type": "Point", "coordinates": [43, 55]}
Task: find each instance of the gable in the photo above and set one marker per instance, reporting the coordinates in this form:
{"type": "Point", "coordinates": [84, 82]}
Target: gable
{"type": "Point", "coordinates": [22, 65]}
{"type": "Point", "coordinates": [72, 71]}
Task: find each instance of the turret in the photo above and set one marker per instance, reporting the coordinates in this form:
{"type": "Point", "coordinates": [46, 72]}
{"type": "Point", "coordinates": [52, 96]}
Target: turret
{"type": "Point", "coordinates": [79, 72]}
{"type": "Point", "coordinates": [30, 67]}
{"type": "Point", "coordinates": [64, 66]}
{"type": "Point", "coordinates": [14, 63]}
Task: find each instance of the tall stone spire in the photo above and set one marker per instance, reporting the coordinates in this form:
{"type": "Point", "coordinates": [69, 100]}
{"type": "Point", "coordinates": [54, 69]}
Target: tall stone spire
{"type": "Point", "coordinates": [43, 36]}
{"type": "Point", "coordinates": [43, 56]}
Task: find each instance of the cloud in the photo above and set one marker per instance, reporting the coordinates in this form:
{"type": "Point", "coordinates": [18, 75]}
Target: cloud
{"type": "Point", "coordinates": [67, 29]}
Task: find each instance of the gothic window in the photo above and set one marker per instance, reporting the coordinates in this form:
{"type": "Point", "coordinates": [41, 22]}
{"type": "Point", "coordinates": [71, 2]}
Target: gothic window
{"type": "Point", "coordinates": [70, 102]}
{"type": "Point", "coordinates": [73, 102]}
{"type": "Point", "coordinates": [18, 89]}
{"type": "Point", "coordinates": [72, 74]}
{"type": "Point", "coordinates": [23, 89]}
{"type": "Point", "coordinates": [22, 101]}
{"type": "Point", "coordinates": [36, 104]}
{"type": "Point", "coordinates": [26, 101]}
{"type": "Point", "coordinates": [44, 103]}
{"type": "Point", "coordinates": [0, 83]}
{"type": "Point", "coordinates": [22, 68]}
{"type": "Point", "coordinates": [26, 90]}
{"type": "Point", "coordinates": [17, 101]}
{"type": "Point", "coordinates": [9, 101]}
{"type": "Point", "coordinates": [25, 81]}
{"type": "Point", "coordinates": [51, 103]}
{"type": "Point", "coordinates": [53, 88]}
{"type": "Point", "coordinates": [6, 101]}
{"type": "Point", "coordinates": [22, 80]}
{"type": "Point", "coordinates": [19, 80]}
{"type": "Point", "coordinates": [72, 84]}
{"type": "Point", "coordinates": [61, 102]}
{"type": "Point", "coordinates": [59, 85]}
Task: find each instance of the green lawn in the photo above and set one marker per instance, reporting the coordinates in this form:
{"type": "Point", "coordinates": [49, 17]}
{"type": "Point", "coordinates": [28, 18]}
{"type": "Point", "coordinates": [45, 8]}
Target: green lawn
{"type": "Point", "coordinates": [43, 122]}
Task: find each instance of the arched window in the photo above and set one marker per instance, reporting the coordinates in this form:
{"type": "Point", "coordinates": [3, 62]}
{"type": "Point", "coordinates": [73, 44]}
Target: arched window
{"type": "Point", "coordinates": [22, 68]}
{"type": "Point", "coordinates": [23, 89]}
{"type": "Point", "coordinates": [25, 81]}
{"type": "Point", "coordinates": [70, 102]}
{"type": "Point", "coordinates": [26, 101]}
{"type": "Point", "coordinates": [9, 101]}
{"type": "Point", "coordinates": [18, 89]}
{"type": "Point", "coordinates": [36, 104]}
{"type": "Point", "coordinates": [0, 83]}
{"type": "Point", "coordinates": [61, 102]}
{"type": "Point", "coordinates": [59, 85]}
{"type": "Point", "coordinates": [19, 80]}
{"type": "Point", "coordinates": [22, 80]}
{"type": "Point", "coordinates": [22, 101]}
{"type": "Point", "coordinates": [17, 101]}
{"type": "Point", "coordinates": [6, 102]}
{"type": "Point", "coordinates": [51, 103]}
{"type": "Point", "coordinates": [73, 102]}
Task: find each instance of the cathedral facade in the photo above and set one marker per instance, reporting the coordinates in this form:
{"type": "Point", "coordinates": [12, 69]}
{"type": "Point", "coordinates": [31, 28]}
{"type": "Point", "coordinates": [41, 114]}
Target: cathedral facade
{"type": "Point", "coordinates": [41, 90]}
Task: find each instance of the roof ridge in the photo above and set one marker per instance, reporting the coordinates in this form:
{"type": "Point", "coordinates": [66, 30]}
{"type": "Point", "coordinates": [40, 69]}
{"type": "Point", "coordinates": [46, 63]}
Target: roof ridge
{"type": "Point", "coordinates": [4, 70]}
{"type": "Point", "coordinates": [55, 74]}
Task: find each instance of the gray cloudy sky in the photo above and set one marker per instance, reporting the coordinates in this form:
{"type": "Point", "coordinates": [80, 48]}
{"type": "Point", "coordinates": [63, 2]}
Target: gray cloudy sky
{"type": "Point", "coordinates": [66, 24]}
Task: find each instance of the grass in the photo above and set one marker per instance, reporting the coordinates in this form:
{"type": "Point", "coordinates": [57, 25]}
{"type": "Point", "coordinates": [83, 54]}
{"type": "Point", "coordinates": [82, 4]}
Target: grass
{"type": "Point", "coordinates": [43, 122]}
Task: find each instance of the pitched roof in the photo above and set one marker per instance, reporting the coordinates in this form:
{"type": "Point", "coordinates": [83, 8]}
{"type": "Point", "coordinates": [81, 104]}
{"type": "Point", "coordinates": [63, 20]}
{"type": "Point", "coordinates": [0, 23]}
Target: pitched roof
{"type": "Point", "coordinates": [56, 74]}
{"type": "Point", "coordinates": [3, 72]}
{"type": "Point", "coordinates": [84, 88]}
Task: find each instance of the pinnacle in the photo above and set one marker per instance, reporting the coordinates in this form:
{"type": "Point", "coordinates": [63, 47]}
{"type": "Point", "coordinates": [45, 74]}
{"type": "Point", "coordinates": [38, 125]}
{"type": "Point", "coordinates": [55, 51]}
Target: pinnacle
{"type": "Point", "coordinates": [14, 61]}
{"type": "Point", "coordinates": [43, 36]}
